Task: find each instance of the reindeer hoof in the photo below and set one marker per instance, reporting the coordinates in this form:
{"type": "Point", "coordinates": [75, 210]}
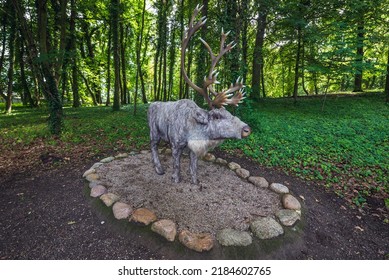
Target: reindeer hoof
{"type": "Point", "coordinates": [195, 181]}
{"type": "Point", "coordinates": [176, 179]}
{"type": "Point", "coordinates": [159, 170]}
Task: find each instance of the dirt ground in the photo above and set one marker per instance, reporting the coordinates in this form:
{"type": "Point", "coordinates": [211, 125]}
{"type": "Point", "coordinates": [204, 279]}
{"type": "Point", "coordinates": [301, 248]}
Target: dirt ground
{"type": "Point", "coordinates": [46, 213]}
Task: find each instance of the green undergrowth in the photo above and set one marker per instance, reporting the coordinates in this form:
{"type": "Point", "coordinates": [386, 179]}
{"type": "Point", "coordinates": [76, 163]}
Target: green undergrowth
{"type": "Point", "coordinates": [343, 145]}
{"type": "Point", "coordinates": [97, 128]}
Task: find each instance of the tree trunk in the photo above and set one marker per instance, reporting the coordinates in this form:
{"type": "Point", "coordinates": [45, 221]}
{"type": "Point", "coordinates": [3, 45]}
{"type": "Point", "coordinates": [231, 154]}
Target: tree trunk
{"type": "Point", "coordinates": [303, 70]}
{"type": "Point", "coordinates": [172, 57]}
{"type": "Point", "coordinates": [258, 54]}
{"type": "Point", "coordinates": [27, 99]}
{"type": "Point", "coordinates": [91, 60]}
{"type": "Point", "coordinates": [108, 101]}
{"type": "Point", "coordinates": [297, 64]}
{"type": "Point", "coordinates": [181, 89]}
{"type": "Point", "coordinates": [359, 56]}
{"type": "Point", "coordinates": [62, 44]}
{"type": "Point", "coordinates": [73, 49]}
{"type": "Point", "coordinates": [11, 61]}
{"type": "Point", "coordinates": [164, 79]}
{"type": "Point", "coordinates": [116, 52]}
{"type": "Point", "coordinates": [387, 80]}
{"type": "Point", "coordinates": [139, 73]}
{"type": "Point", "coordinates": [245, 23]}
{"type": "Point", "coordinates": [123, 65]}
{"type": "Point", "coordinates": [44, 73]}
{"type": "Point", "coordinates": [88, 88]}
{"type": "Point", "coordinates": [232, 60]}
{"type": "Point", "coordinates": [202, 55]}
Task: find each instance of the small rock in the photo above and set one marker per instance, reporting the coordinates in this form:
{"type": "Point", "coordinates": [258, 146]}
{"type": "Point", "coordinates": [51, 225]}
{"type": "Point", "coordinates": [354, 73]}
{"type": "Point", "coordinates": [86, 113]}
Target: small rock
{"type": "Point", "coordinates": [89, 171]}
{"type": "Point", "coordinates": [287, 217]}
{"type": "Point", "coordinates": [166, 228]}
{"type": "Point", "coordinates": [97, 191]}
{"type": "Point", "coordinates": [92, 177]}
{"type": "Point", "coordinates": [290, 202]}
{"type": "Point", "coordinates": [232, 237]}
{"type": "Point", "coordinates": [96, 165]}
{"type": "Point", "coordinates": [145, 152]}
{"type": "Point", "coordinates": [121, 155]}
{"type": "Point", "coordinates": [266, 228]}
{"type": "Point", "coordinates": [109, 198]}
{"type": "Point", "coordinates": [209, 157]}
{"type": "Point", "coordinates": [94, 184]}
{"type": "Point", "coordinates": [233, 165]}
{"type": "Point", "coordinates": [121, 210]}
{"type": "Point", "coordinates": [259, 182]}
{"type": "Point", "coordinates": [106, 160]}
{"type": "Point", "coordinates": [242, 173]}
{"type": "Point", "coordinates": [196, 241]}
{"type": "Point", "coordinates": [144, 216]}
{"type": "Point", "coordinates": [221, 161]}
{"type": "Point", "coordinates": [279, 188]}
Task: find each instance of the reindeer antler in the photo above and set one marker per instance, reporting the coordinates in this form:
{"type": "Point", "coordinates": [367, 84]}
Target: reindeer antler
{"type": "Point", "coordinates": [222, 98]}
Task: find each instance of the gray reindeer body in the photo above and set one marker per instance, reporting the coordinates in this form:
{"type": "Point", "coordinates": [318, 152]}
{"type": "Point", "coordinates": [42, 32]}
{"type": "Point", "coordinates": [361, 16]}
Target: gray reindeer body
{"type": "Point", "coordinates": [183, 124]}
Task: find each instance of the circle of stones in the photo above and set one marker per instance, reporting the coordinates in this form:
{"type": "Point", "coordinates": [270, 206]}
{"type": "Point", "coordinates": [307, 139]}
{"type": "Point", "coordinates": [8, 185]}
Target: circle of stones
{"type": "Point", "coordinates": [262, 227]}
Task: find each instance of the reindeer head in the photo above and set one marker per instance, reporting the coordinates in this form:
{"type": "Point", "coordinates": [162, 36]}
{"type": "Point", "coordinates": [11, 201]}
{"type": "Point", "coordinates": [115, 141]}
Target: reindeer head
{"type": "Point", "coordinates": [231, 96]}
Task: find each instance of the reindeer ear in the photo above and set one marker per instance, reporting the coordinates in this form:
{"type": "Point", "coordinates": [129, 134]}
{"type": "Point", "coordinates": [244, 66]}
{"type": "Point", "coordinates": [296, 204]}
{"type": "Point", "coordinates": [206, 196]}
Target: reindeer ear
{"type": "Point", "coordinates": [201, 116]}
{"type": "Point", "coordinates": [216, 114]}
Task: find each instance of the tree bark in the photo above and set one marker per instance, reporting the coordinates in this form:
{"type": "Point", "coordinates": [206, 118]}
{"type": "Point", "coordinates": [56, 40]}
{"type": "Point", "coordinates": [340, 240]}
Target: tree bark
{"type": "Point", "coordinates": [387, 80]}
{"type": "Point", "coordinates": [181, 89]}
{"type": "Point", "coordinates": [116, 52]}
{"type": "Point", "coordinates": [89, 88]}
{"type": "Point", "coordinates": [44, 72]}
{"type": "Point", "coordinates": [11, 61]}
{"type": "Point", "coordinates": [172, 57]}
{"type": "Point", "coordinates": [27, 99]}
{"type": "Point", "coordinates": [73, 49]}
{"type": "Point", "coordinates": [244, 14]}
{"type": "Point", "coordinates": [123, 65]}
{"type": "Point", "coordinates": [359, 56]}
{"type": "Point", "coordinates": [108, 101]}
{"type": "Point", "coordinates": [258, 53]}
{"type": "Point", "coordinates": [139, 73]}
{"type": "Point", "coordinates": [297, 64]}
{"type": "Point", "coordinates": [202, 56]}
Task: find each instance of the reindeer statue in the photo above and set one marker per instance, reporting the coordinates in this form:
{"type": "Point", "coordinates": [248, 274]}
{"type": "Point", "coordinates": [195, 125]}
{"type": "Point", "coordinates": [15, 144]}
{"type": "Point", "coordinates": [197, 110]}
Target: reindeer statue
{"type": "Point", "coordinates": [183, 124]}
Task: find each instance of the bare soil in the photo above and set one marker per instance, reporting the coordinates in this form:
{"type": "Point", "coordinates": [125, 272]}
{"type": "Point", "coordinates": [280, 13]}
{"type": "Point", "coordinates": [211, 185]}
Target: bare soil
{"type": "Point", "coordinates": [46, 213]}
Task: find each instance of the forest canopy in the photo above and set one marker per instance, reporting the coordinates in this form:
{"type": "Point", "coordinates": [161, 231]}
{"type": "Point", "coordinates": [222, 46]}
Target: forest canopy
{"type": "Point", "coordinates": [74, 53]}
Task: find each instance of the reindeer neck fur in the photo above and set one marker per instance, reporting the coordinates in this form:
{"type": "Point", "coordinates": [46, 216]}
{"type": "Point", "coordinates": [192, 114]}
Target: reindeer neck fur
{"type": "Point", "coordinates": [201, 147]}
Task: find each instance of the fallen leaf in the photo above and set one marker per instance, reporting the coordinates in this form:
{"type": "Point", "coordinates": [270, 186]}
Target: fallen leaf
{"type": "Point", "coordinates": [359, 228]}
{"type": "Point", "coordinates": [71, 222]}
{"type": "Point", "coordinates": [302, 197]}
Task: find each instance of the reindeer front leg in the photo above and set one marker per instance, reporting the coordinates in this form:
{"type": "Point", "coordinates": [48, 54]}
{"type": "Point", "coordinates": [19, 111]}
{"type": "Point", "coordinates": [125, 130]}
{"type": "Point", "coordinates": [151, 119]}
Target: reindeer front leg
{"type": "Point", "coordinates": [193, 167]}
{"type": "Point", "coordinates": [176, 154]}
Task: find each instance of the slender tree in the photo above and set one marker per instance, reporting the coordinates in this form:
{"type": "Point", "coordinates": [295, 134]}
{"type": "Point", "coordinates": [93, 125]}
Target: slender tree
{"type": "Point", "coordinates": [11, 59]}
{"type": "Point", "coordinates": [202, 55]}
{"type": "Point", "coordinates": [73, 50]}
{"type": "Point", "coordinates": [109, 50]}
{"type": "Point", "coordinates": [258, 59]}
{"type": "Point", "coordinates": [387, 80]}
{"type": "Point", "coordinates": [44, 72]}
{"type": "Point", "coordinates": [116, 52]}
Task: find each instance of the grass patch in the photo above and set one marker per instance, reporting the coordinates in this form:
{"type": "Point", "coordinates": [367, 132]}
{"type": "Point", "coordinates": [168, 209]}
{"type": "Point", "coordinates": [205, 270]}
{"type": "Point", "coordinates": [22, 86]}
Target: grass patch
{"type": "Point", "coordinates": [345, 146]}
